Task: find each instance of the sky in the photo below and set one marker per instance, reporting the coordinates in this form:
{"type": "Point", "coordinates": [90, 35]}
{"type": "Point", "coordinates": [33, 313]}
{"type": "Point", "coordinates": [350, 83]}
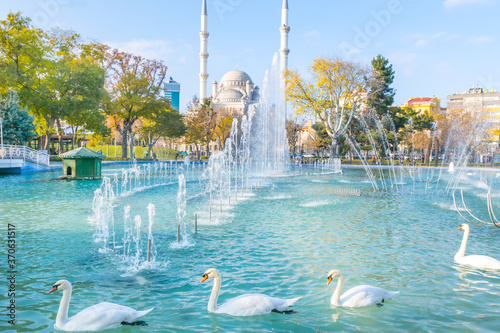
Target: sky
{"type": "Point", "coordinates": [436, 47]}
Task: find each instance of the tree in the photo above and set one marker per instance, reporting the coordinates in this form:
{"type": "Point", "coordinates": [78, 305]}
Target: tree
{"type": "Point", "coordinates": [77, 87]}
{"type": "Point", "coordinates": [54, 80]}
{"type": "Point", "coordinates": [166, 121]}
{"type": "Point", "coordinates": [293, 128]}
{"type": "Point", "coordinates": [222, 130]}
{"type": "Point", "coordinates": [383, 96]}
{"type": "Point", "coordinates": [17, 124]}
{"type": "Point", "coordinates": [338, 93]}
{"type": "Point", "coordinates": [194, 129]}
{"type": "Point", "coordinates": [322, 140]}
{"type": "Point", "coordinates": [25, 66]}
{"type": "Point", "coordinates": [134, 87]}
{"type": "Point", "coordinates": [201, 123]}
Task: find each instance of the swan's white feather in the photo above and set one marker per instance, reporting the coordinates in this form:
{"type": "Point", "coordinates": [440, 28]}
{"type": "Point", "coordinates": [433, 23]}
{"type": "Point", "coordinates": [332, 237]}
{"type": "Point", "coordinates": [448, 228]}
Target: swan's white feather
{"type": "Point", "coordinates": [479, 261]}
{"type": "Point", "coordinates": [244, 305]}
{"type": "Point", "coordinates": [365, 295]}
{"type": "Point", "coordinates": [254, 304]}
{"type": "Point", "coordinates": [102, 316]}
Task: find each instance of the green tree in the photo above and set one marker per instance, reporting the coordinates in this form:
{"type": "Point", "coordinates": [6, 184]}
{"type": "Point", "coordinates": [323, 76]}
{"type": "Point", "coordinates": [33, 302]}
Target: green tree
{"type": "Point", "coordinates": [293, 128]}
{"type": "Point", "coordinates": [17, 124]}
{"type": "Point", "coordinates": [53, 78]}
{"type": "Point", "coordinates": [133, 88]}
{"type": "Point", "coordinates": [383, 95]}
{"type": "Point", "coordinates": [322, 138]}
{"type": "Point", "coordinates": [166, 122]}
{"type": "Point", "coordinates": [25, 66]}
{"type": "Point", "coordinates": [222, 130]}
{"type": "Point", "coordinates": [201, 122]}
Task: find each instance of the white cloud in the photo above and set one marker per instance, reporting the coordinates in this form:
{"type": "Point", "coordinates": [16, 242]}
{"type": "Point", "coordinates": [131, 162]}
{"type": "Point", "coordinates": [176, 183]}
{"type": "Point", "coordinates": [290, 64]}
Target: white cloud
{"type": "Point", "coordinates": [402, 58]}
{"type": "Point", "coordinates": [312, 34]}
{"type": "Point", "coordinates": [425, 39]}
{"type": "Point", "coordinates": [480, 39]}
{"type": "Point", "coordinates": [160, 49]}
{"type": "Point", "coordinates": [456, 3]}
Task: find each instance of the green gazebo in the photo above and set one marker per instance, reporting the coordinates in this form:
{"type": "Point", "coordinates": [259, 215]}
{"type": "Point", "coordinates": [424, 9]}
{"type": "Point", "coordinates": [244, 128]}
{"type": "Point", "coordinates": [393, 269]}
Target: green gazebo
{"type": "Point", "coordinates": [82, 163]}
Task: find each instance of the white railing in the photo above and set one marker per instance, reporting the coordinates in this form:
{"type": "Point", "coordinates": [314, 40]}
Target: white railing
{"type": "Point", "coordinates": [25, 153]}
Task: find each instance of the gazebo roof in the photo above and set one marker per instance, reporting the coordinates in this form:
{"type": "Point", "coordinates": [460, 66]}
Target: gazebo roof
{"type": "Point", "coordinates": [82, 153]}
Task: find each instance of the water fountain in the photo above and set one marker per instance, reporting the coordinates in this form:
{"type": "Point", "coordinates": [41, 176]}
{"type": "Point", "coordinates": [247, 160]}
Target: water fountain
{"type": "Point", "coordinates": [137, 241]}
{"type": "Point", "coordinates": [269, 144]}
{"type": "Point", "coordinates": [289, 227]}
{"type": "Point", "coordinates": [151, 253]}
{"type": "Point", "coordinates": [183, 239]}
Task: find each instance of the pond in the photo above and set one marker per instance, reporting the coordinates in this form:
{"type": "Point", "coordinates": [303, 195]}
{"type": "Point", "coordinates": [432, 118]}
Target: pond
{"type": "Point", "coordinates": [280, 238]}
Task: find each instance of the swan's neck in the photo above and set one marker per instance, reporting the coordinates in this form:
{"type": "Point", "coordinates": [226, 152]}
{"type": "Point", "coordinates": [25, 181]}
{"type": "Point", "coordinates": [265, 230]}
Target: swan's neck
{"type": "Point", "coordinates": [461, 251]}
{"type": "Point", "coordinates": [336, 294]}
{"type": "Point", "coordinates": [212, 303]}
{"type": "Point", "coordinates": [62, 314]}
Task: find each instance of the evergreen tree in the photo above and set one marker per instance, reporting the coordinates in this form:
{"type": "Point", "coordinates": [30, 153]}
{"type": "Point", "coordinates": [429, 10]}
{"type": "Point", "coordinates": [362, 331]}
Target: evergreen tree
{"type": "Point", "coordinates": [17, 124]}
{"type": "Point", "coordinates": [383, 97]}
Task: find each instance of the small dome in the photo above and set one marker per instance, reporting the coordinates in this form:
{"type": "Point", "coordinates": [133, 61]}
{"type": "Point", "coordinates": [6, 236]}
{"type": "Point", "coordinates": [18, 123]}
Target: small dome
{"type": "Point", "coordinates": [230, 94]}
{"type": "Point", "coordinates": [236, 76]}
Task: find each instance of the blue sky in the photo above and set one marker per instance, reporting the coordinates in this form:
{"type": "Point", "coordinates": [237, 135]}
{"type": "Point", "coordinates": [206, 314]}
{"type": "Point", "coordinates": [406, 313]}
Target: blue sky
{"type": "Point", "coordinates": [436, 47]}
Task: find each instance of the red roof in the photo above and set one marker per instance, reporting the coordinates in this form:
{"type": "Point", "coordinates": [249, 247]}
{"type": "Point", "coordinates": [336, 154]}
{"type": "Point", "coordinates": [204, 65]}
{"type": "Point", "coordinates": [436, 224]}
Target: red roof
{"type": "Point", "coordinates": [419, 100]}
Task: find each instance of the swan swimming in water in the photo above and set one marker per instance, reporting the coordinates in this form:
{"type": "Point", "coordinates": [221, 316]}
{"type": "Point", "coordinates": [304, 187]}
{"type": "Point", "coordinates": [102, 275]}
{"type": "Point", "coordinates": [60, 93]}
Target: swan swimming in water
{"type": "Point", "coordinates": [363, 295]}
{"type": "Point", "coordinates": [478, 261]}
{"type": "Point", "coordinates": [245, 305]}
{"type": "Point", "coordinates": [98, 317]}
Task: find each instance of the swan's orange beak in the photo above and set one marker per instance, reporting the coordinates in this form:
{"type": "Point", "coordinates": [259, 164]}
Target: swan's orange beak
{"type": "Point", "coordinates": [329, 280]}
{"type": "Point", "coordinates": [204, 277]}
{"type": "Point", "coordinates": [53, 289]}
{"type": "Point", "coordinates": [459, 228]}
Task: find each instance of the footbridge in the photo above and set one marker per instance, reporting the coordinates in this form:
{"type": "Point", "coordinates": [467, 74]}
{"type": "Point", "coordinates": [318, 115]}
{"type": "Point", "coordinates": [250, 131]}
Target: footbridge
{"type": "Point", "coordinates": [20, 159]}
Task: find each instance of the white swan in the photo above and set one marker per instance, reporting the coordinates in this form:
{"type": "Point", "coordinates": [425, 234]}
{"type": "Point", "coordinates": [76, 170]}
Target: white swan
{"type": "Point", "coordinates": [98, 317]}
{"type": "Point", "coordinates": [358, 296]}
{"type": "Point", "coordinates": [244, 305]}
{"type": "Point", "coordinates": [478, 261]}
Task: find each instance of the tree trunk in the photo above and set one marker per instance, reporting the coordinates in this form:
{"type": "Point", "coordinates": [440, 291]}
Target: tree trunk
{"type": "Point", "coordinates": [334, 148]}
{"type": "Point", "coordinates": [59, 137]}
{"type": "Point", "coordinates": [428, 153]}
{"type": "Point", "coordinates": [132, 155]}
{"type": "Point", "coordinates": [46, 142]}
{"type": "Point", "coordinates": [436, 152]}
{"type": "Point", "coordinates": [151, 143]}
{"type": "Point", "coordinates": [124, 133]}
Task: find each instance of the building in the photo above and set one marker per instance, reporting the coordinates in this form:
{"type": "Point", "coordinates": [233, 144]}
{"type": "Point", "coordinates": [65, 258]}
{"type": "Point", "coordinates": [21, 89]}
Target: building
{"type": "Point", "coordinates": [430, 105]}
{"type": "Point", "coordinates": [173, 92]}
{"type": "Point", "coordinates": [234, 94]}
{"type": "Point", "coordinates": [236, 91]}
{"type": "Point", "coordinates": [478, 101]}
{"type": "Point", "coordinates": [82, 163]}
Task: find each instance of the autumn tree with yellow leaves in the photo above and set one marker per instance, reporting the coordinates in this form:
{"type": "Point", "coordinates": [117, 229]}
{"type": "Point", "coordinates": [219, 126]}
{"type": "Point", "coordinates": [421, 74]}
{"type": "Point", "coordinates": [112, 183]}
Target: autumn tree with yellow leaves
{"type": "Point", "coordinates": [338, 92]}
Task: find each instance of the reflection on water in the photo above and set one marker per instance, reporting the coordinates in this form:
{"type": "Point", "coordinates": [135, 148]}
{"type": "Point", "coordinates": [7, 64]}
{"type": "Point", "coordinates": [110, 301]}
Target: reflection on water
{"type": "Point", "coordinates": [279, 240]}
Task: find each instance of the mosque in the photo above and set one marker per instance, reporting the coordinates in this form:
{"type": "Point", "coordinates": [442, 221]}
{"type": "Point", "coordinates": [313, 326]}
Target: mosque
{"type": "Point", "coordinates": [236, 91]}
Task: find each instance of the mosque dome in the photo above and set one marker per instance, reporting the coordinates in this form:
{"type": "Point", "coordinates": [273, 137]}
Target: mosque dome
{"type": "Point", "coordinates": [230, 95]}
{"type": "Point", "coordinates": [236, 75]}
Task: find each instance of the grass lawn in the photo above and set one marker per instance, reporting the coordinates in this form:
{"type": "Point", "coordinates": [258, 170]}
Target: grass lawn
{"type": "Point", "coordinates": [140, 152]}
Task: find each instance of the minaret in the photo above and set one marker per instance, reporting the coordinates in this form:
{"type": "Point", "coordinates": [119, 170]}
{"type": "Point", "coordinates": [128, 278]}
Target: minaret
{"type": "Point", "coordinates": [203, 52]}
{"type": "Point", "coordinates": [285, 29]}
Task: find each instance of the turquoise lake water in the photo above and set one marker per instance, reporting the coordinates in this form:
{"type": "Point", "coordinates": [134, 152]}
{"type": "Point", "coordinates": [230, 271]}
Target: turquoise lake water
{"type": "Point", "coordinates": [280, 240]}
